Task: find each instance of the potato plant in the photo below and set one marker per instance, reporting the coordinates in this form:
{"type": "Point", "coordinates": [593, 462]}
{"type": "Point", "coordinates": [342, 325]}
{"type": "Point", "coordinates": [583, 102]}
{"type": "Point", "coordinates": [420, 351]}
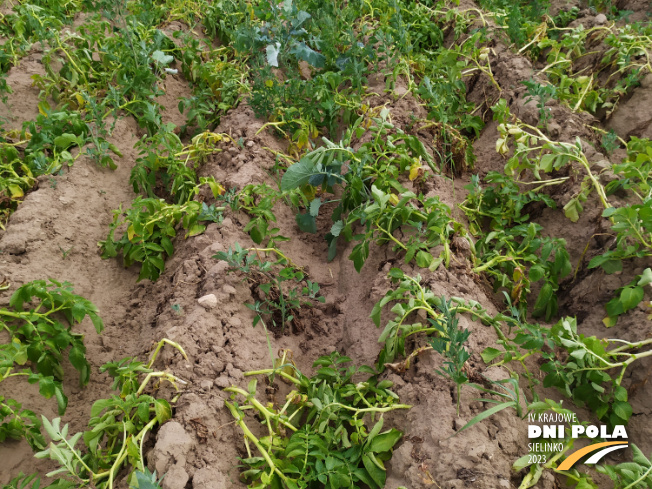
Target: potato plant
{"type": "Point", "coordinates": [333, 80]}
{"type": "Point", "coordinates": [328, 433]}
{"type": "Point", "coordinates": [116, 436]}
{"type": "Point", "coordinates": [373, 196]}
{"type": "Point", "coordinates": [39, 325]}
{"type": "Point", "coordinates": [151, 224]}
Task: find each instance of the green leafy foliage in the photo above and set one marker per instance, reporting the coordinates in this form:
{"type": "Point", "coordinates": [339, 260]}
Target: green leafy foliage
{"type": "Point", "coordinates": [519, 256]}
{"type": "Point", "coordinates": [503, 204]}
{"type": "Point", "coordinates": [537, 153]}
{"type": "Point", "coordinates": [426, 223]}
{"type": "Point", "coordinates": [441, 326]}
{"type": "Point", "coordinates": [372, 194]}
{"type": "Point", "coordinates": [585, 89]}
{"type": "Point", "coordinates": [16, 178]}
{"type": "Point", "coordinates": [322, 436]}
{"type": "Point", "coordinates": [150, 227]}
{"type": "Point", "coordinates": [637, 473]}
{"type": "Point", "coordinates": [218, 84]}
{"type": "Point", "coordinates": [627, 297]}
{"type": "Point", "coordinates": [258, 202]}
{"type": "Point", "coordinates": [631, 223]}
{"type": "Point", "coordinates": [17, 423]}
{"type": "Point", "coordinates": [40, 326]}
{"type": "Point", "coordinates": [450, 344]}
{"type": "Point", "coordinates": [283, 287]}
{"type": "Point", "coordinates": [609, 141]}
{"type": "Point", "coordinates": [542, 94]}
{"type": "Point", "coordinates": [116, 435]}
{"type": "Point", "coordinates": [584, 371]}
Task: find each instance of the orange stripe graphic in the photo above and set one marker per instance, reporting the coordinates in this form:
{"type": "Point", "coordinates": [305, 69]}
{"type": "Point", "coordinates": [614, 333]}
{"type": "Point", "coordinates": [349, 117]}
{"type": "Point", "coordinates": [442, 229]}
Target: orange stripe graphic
{"type": "Point", "coordinates": [575, 456]}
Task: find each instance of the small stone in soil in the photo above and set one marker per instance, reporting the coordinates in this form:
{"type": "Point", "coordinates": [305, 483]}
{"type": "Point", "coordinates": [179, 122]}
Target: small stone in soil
{"type": "Point", "coordinates": [208, 301]}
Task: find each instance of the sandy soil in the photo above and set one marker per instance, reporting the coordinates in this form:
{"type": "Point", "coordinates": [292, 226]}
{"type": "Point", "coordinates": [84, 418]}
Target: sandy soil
{"type": "Point", "coordinates": [200, 446]}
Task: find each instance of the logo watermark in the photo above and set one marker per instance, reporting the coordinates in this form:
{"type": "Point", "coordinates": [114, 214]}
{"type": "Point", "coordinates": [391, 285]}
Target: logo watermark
{"type": "Point", "coordinates": [552, 432]}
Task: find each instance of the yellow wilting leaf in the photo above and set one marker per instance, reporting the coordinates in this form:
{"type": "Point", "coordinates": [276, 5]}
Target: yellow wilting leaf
{"type": "Point", "coordinates": [517, 275]}
{"type": "Point", "coordinates": [16, 191]}
{"type": "Point", "coordinates": [301, 138]}
{"type": "Point", "coordinates": [414, 170]}
{"type": "Point", "coordinates": [309, 192]}
{"type": "Point", "coordinates": [217, 189]}
{"type": "Point", "coordinates": [501, 146]}
{"type": "Point", "coordinates": [609, 321]}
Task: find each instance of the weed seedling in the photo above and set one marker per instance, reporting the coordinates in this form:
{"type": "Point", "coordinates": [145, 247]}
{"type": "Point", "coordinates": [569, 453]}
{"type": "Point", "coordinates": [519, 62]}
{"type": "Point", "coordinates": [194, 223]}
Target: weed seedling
{"type": "Point", "coordinates": [450, 344]}
{"type": "Point", "coordinates": [65, 253]}
{"type": "Point", "coordinates": [282, 292]}
{"type": "Point", "coordinates": [280, 282]}
{"type": "Point", "coordinates": [610, 141]}
{"type": "Point", "coordinates": [542, 93]}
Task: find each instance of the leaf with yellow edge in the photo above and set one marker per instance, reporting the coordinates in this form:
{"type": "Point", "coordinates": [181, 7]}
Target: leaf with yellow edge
{"type": "Point", "coordinates": [16, 191]}
{"type": "Point", "coordinates": [518, 275]}
{"type": "Point", "coordinates": [195, 230]}
{"type": "Point", "coordinates": [309, 192]}
{"type": "Point", "coordinates": [610, 321]}
{"type": "Point", "coordinates": [43, 108]}
{"type": "Point", "coordinates": [414, 170]}
{"type": "Point", "coordinates": [215, 187]}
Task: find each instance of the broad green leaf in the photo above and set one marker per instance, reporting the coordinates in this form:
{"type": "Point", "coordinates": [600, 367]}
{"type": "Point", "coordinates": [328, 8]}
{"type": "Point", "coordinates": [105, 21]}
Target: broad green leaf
{"type": "Point", "coordinates": [424, 259]}
{"type": "Point", "coordinates": [272, 51]}
{"type": "Point", "coordinates": [162, 58]}
{"type": "Point", "coordinates": [337, 227]}
{"type": "Point", "coordinates": [573, 209]}
{"type": "Point", "coordinates": [163, 410]}
{"type": "Point", "coordinates": [305, 53]}
{"type": "Point", "coordinates": [630, 297]}
{"type": "Point", "coordinates": [314, 207]}
{"type": "Point", "coordinates": [306, 223]}
{"type": "Point", "coordinates": [297, 175]}
{"type": "Point", "coordinates": [385, 441]}
{"type": "Point", "coordinates": [622, 409]}
{"type": "Point", "coordinates": [489, 354]}
{"type": "Point", "coordinates": [66, 140]}
{"type": "Point", "coordinates": [646, 277]}
{"type": "Point", "coordinates": [377, 474]}
{"type": "Point", "coordinates": [544, 297]}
